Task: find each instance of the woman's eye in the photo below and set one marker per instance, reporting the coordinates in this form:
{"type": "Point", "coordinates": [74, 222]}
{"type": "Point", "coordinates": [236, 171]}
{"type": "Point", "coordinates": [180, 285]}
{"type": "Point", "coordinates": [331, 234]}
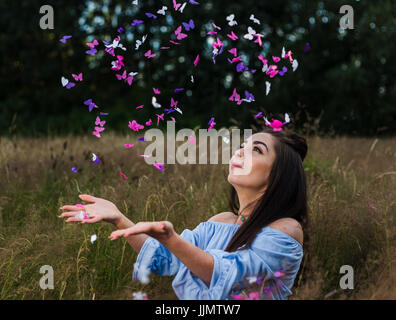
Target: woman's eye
{"type": "Point", "coordinates": [257, 149]}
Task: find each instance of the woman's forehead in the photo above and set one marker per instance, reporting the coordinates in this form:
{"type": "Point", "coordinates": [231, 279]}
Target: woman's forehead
{"type": "Point", "coordinates": [261, 136]}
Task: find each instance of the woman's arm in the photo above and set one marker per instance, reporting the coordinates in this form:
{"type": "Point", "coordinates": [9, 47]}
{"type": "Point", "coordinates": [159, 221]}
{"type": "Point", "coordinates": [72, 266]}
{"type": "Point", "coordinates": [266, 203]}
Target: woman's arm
{"type": "Point", "coordinates": [136, 241]}
{"type": "Point", "coordinates": [195, 259]}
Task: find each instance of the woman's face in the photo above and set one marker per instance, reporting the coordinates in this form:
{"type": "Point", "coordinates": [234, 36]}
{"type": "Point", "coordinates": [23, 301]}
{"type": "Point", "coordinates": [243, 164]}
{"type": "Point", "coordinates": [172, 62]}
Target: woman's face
{"type": "Point", "coordinates": [256, 154]}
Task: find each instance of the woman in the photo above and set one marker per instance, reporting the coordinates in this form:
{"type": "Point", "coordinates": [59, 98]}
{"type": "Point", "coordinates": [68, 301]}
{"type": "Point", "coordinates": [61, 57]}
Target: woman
{"type": "Point", "coordinates": [262, 236]}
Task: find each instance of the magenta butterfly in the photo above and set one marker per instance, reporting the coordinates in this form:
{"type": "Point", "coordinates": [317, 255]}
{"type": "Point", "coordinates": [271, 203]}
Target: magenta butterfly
{"type": "Point", "coordinates": [149, 55]}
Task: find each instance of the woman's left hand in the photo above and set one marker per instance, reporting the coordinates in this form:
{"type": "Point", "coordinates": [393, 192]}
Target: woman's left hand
{"type": "Point", "coordinates": [162, 230]}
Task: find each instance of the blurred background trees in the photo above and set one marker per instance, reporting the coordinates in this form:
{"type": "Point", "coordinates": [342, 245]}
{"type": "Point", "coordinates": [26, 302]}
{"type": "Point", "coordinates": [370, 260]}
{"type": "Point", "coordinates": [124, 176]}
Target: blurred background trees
{"type": "Point", "coordinates": [346, 79]}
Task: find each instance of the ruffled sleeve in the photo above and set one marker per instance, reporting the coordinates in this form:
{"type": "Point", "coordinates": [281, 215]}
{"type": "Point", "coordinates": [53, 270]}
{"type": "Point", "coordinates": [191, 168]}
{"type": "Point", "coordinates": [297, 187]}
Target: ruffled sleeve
{"type": "Point", "coordinates": [155, 257]}
{"type": "Point", "coordinates": [271, 251]}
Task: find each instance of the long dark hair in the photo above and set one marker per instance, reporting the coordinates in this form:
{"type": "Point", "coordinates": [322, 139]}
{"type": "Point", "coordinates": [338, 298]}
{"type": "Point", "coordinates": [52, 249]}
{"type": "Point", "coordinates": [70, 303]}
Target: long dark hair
{"type": "Point", "coordinates": [286, 193]}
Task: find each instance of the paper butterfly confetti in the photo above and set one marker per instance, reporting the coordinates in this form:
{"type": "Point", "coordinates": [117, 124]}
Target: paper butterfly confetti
{"type": "Point", "coordinates": [66, 83]}
{"type": "Point", "coordinates": [154, 103]}
{"type": "Point", "coordinates": [95, 159]}
{"type": "Point", "coordinates": [250, 33]}
{"type": "Point", "coordinates": [162, 10]}
{"type": "Point", "coordinates": [90, 104]}
{"type": "Point", "coordinates": [64, 39]}
{"type": "Point", "coordinates": [149, 55]}
{"type": "Point", "coordinates": [232, 36]}
{"type": "Point", "coordinates": [150, 15]}
{"type": "Point", "coordinates": [179, 34]}
{"type": "Point", "coordinates": [254, 19]}
{"type": "Point", "coordinates": [78, 77]}
{"type": "Point", "coordinates": [188, 26]}
{"type": "Point", "coordinates": [136, 22]}
{"type": "Point", "coordinates": [231, 21]}
{"type": "Point", "coordinates": [135, 126]}
{"type": "Point", "coordinates": [277, 125]}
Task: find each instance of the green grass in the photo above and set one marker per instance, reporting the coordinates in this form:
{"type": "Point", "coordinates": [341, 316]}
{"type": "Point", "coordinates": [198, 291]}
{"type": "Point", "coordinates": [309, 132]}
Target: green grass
{"type": "Point", "coordinates": [351, 192]}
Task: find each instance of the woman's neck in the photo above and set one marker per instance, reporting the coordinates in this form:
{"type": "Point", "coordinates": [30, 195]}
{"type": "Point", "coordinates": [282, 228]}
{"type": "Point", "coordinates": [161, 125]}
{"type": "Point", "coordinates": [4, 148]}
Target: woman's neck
{"type": "Point", "coordinates": [247, 200]}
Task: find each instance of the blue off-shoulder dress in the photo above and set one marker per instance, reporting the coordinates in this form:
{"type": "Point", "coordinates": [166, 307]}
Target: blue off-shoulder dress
{"type": "Point", "coordinates": [272, 251]}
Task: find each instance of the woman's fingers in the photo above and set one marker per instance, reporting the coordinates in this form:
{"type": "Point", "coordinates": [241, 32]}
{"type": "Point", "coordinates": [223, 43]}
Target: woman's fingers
{"type": "Point", "coordinates": [68, 214]}
{"type": "Point", "coordinates": [88, 198]}
{"type": "Point", "coordinates": [73, 219]}
{"type": "Point", "coordinates": [70, 207]}
{"type": "Point", "coordinates": [92, 220]}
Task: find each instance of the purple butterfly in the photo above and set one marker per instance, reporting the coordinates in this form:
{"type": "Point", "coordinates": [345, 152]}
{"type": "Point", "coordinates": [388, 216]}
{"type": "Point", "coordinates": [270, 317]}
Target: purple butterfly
{"type": "Point", "coordinates": [104, 114]}
{"type": "Point", "coordinates": [141, 139]}
{"type": "Point", "coordinates": [284, 70]}
{"type": "Point", "coordinates": [193, 2]}
{"type": "Point", "coordinates": [66, 83]}
{"type": "Point", "coordinates": [188, 26]}
{"type": "Point", "coordinates": [210, 121]}
{"type": "Point", "coordinates": [120, 30]}
{"type": "Point", "coordinates": [169, 110]}
{"type": "Point", "coordinates": [248, 96]}
{"type": "Point", "coordinates": [179, 89]}
{"type": "Point", "coordinates": [307, 47]}
{"type": "Point", "coordinates": [241, 67]}
{"type": "Point", "coordinates": [258, 115]}
{"type": "Point", "coordinates": [136, 22]}
{"type": "Point", "coordinates": [90, 104]}
{"type": "Point", "coordinates": [74, 169]}
{"type": "Point", "coordinates": [63, 40]}
{"type": "Point", "coordinates": [150, 15]}
{"type": "Point", "coordinates": [95, 159]}
{"type": "Point", "coordinates": [91, 52]}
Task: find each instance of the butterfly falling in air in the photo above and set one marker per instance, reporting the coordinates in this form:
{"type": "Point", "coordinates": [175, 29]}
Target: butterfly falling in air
{"type": "Point", "coordinates": [277, 125]}
{"type": "Point", "coordinates": [66, 83]}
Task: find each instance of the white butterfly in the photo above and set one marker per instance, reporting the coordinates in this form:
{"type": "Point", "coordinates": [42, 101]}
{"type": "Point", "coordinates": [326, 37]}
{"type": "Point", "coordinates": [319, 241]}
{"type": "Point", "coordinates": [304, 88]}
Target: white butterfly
{"type": "Point", "coordinates": [283, 52]}
{"type": "Point", "coordinates": [140, 42]}
{"type": "Point", "coordinates": [265, 68]}
{"type": "Point", "coordinates": [135, 2]}
{"type": "Point", "coordinates": [287, 118]}
{"type": "Point", "coordinates": [64, 81]}
{"type": "Point", "coordinates": [182, 7]}
{"type": "Point", "coordinates": [295, 65]}
{"type": "Point", "coordinates": [192, 78]}
{"type": "Point", "coordinates": [116, 44]}
{"type": "Point", "coordinates": [268, 87]}
{"type": "Point", "coordinates": [178, 110]}
{"type": "Point", "coordinates": [250, 33]}
{"type": "Point", "coordinates": [226, 140]}
{"type": "Point", "coordinates": [231, 21]}
{"type": "Point", "coordinates": [254, 19]}
{"type": "Point", "coordinates": [94, 157]}
{"type": "Point", "coordinates": [154, 103]}
{"type": "Point", "coordinates": [93, 238]}
{"type": "Point", "coordinates": [133, 74]}
{"type": "Point", "coordinates": [162, 11]}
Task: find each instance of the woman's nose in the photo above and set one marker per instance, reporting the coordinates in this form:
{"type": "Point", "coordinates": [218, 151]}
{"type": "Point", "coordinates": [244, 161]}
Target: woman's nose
{"type": "Point", "coordinates": [239, 152]}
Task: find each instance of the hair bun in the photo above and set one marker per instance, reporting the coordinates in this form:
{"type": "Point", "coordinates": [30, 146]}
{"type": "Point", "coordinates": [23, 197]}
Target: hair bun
{"type": "Point", "coordinates": [299, 144]}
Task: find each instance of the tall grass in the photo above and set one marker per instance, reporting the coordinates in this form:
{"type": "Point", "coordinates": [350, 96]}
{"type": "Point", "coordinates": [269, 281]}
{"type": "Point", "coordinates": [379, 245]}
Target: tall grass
{"type": "Point", "coordinates": [352, 199]}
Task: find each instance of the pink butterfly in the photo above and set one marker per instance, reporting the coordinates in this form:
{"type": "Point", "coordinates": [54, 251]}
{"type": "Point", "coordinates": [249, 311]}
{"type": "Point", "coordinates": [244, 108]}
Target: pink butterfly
{"type": "Point", "coordinates": [232, 36]}
{"type": "Point", "coordinates": [123, 175]}
{"type": "Point", "coordinates": [235, 60]}
{"type": "Point", "coordinates": [121, 76]}
{"type": "Point", "coordinates": [196, 60]}
{"type": "Point", "coordinates": [218, 28]}
{"type": "Point", "coordinates": [277, 125]}
{"type": "Point", "coordinates": [264, 61]}
{"type": "Point", "coordinates": [235, 97]}
{"type": "Point", "coordinates": [173, 119]}
{"type": "Point", "coordinates": [159, 166]}
{"type": "Point", "coordinates": [217, 44]}
{"type": "Point", "coordinates": [176, 5]}
{"type": "Point", "coordinates": [97, 131]}
{"type": "Point", "coordinates": [233, 51]}
{"type": "Point", "coordinates": [92, 44]}
{"type": "Point", "coordinates": [276, 59]}
{"type": "Point", "coordinates": [258, 40]}
{"type": "Point", "coordinates": [192, 140]}
{"type": "Point", "coordinates": [97, 134]}
{"type": "Point", "coordinates": [174, 103]}
{"type": "Point", "coordinates": [135, 126]}
{"type": "Point", "coordinates": [212, 32]}
{"type": "Point", "coordinates": [140, 107]}
{"type": "Point", "coordinates": [128, 145]}
{"type": "Point", "coordinates": [156, 91]}
{"type": "Point", "coordinates": [99, 123]}
{"type": "Point", "coordinates": [148, 123]}
{"type": "Point", "coordinates": [118, 63]}
{"type": "Point", "coordinates": [179, 34]}
{"type": "Point", "coordinates": [160, 117]}
{"type": "Point", "coordinates": [149, 55]}
{"type": "Point", "coordinates": [176, 43]}
{"type": "Point", "coordinates": [129, 79]}
{"type": "Point", "coordinates": [289, 55]}
{"type": "Point", "coordinates": [78, 77]}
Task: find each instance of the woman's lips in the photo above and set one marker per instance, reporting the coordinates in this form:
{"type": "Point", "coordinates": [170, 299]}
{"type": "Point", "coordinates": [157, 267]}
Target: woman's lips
{"type": "Point", "coordinates": [236, 165]}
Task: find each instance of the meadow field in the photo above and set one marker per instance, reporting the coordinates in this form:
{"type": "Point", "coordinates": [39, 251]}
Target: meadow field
{"type": "Point", "coordinates": [351, 193]}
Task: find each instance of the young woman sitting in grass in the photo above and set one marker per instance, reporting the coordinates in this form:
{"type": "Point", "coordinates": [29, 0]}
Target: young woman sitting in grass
{"type": "Point", "coordinates": [262, 236]}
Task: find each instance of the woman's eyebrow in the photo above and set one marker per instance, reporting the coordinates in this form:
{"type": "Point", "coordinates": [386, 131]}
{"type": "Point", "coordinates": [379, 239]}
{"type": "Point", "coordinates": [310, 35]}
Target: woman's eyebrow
{"type": "Point", "coordinates": [260, 142]}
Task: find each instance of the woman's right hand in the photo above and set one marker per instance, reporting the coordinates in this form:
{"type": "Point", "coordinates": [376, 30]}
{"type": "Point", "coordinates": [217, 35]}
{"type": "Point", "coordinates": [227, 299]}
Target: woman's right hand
{"type": "Point", "coordinates": [98, 210]}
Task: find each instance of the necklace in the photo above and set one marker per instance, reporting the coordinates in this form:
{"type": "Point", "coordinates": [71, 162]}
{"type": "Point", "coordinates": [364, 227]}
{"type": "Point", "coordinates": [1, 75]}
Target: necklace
{"type": "Point", "coordinates": [243, 219]}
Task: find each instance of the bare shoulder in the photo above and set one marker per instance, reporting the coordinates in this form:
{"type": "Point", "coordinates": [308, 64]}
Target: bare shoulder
{"type": "Point", "coordinates": [289, 226]}
{"type": "Point", "coordinates": [227, 217]}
